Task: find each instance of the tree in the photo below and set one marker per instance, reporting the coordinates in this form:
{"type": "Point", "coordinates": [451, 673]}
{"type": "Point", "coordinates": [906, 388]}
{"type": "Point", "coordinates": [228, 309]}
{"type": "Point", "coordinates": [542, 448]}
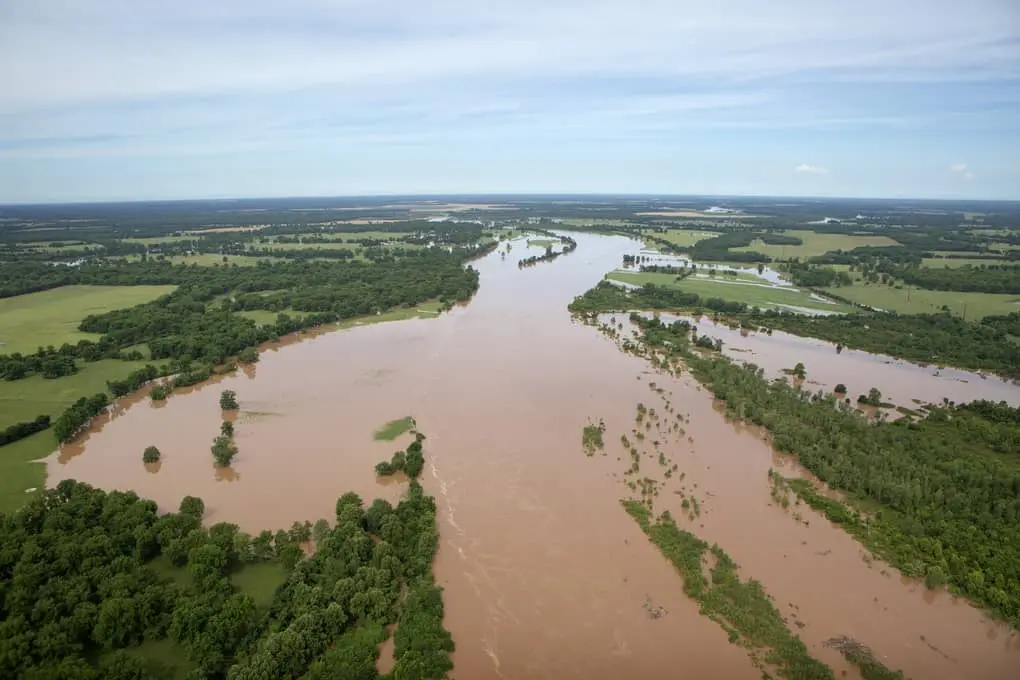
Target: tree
{"type": "Point", "coordinates": [223, 451]}
{"type": "Point", "coordinates": [150, 455]}
{"type": "Point", "coordinates": [248, 355]}
{"type": "Point", "coordinates": [227, 428]}
{"type": "Point", "coordinates": [192, 506]}
{"type": "Point", "coordinates": [840, 389]}
{"type": "Point", "coordinates": [228, 400]}
{"type": "Point", "coordinates": [799, 371]}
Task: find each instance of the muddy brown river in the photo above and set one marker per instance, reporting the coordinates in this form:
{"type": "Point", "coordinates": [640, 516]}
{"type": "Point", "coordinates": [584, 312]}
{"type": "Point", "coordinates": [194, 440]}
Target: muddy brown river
{"type": "Point", "coordinates": [545, 576]}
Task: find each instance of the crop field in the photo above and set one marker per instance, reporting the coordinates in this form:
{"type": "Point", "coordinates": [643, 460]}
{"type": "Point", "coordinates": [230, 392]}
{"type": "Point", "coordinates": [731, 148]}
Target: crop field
{"type": "Point", "coordinates": [51, 317]}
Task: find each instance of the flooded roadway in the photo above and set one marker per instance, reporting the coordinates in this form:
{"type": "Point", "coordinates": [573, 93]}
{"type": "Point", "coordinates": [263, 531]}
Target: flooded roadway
{"type": "Point", "coordinates": [545, 576]}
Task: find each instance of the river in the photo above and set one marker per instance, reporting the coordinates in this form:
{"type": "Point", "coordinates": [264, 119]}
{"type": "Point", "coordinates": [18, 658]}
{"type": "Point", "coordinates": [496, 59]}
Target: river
{"type": "Point", "coordinates": [544, 574]}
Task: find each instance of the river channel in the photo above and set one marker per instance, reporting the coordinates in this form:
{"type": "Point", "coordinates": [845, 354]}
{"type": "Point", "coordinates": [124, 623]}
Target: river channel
{"type": "Point", "coordinates": [545, 576]}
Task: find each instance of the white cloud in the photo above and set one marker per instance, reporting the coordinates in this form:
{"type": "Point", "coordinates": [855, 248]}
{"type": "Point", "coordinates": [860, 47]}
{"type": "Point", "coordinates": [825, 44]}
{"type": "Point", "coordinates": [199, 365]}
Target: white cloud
{"type": "Point", "coordinates": [808, 169]}
{"type": "Point", "coordinates": [962, 170]}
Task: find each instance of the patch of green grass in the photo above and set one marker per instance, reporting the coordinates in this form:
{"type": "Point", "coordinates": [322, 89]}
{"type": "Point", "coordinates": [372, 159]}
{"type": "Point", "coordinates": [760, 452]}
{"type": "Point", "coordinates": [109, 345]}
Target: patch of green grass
{"type": "Point", "coordinates": [22, 400]}
{"type": "Point", "coordinates": [163, 659]}
{"type": "Point", "coordinates": [911, 300]}
{"type": "Point", "coordinates": [204, 259]}
{"type": "Point", "coordinates": [52, 316]}
{"type": "Point", "coordinates": [761, 295]}
{"type": "Point", "coordinates": [814, 244]}
{"type": "Point", "coordinates": [259, 581]}
{"type": "Point", "coordinates": [742, 608]}
{"type": "Point", "coordinates": [394, 429]}
{"type": "Point", "coordinates": [21, 469]}
{"type": "Point", "coordinates": [682, 237]}
{"type": "Point", "coordinates": [425, 310]}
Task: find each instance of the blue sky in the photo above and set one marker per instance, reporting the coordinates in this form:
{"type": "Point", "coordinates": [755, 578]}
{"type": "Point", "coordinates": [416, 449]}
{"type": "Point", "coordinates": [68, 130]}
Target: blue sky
{"type": "Point", "coordinates": [139, 99]}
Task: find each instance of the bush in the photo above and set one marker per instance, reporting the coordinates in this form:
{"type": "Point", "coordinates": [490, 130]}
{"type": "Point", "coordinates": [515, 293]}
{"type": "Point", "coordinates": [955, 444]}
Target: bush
{"type": "Point", "coordinates": [150, 455]}
{"type": "Point", "coordinates": [228, 400]}
{"type": "Point", "coordinates": [248, 355]}
{"type": "Point", "coordinates": [160, 392]}
{"type": "Point", "coordinates": [227, 428]}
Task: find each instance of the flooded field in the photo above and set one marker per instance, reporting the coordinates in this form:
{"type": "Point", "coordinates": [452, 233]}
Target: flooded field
{"type": "Point", "coordinates": [545, 576]}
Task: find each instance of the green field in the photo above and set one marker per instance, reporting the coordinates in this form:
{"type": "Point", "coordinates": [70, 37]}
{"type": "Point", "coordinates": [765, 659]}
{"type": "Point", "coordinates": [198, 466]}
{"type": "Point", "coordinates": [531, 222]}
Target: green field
{"type": "Point", "coordinates": [394, 429]}
{"type": "Point", "coordinates": [52, 317]}
{"type": "Point", "coordinates": [764, 295]}
{"type": "Point", "coordinates": [259, 581]}
{"type": "Point", "coordinates": [910, 300]}
{"type": "Point", "coordinates": [20, 469]}
{"type": "Point", "coordinates": [681, 237]}
{"type": "Point", "coordinates": [163, 659]}
{"type": "Point", "coordinates": [814, 244]}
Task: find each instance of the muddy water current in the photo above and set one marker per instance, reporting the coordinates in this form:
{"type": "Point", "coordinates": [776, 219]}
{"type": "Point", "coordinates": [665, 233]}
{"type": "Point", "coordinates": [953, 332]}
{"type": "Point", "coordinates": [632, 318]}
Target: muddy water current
{"type": "Point", "coordinates": [544, 574]}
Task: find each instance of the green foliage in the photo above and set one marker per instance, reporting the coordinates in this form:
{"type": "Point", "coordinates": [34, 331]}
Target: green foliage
{"type": "Point", "coordinates": [22, 430]}
{"type": "Point", "coordinates": [160, 392]}
{"type": "Point", "coordinates": [944, 491]}
{"type": "Point", "coordinates": [192, 506]}
{"type": "Point", "coordinates": [223, 450]}
{"type": "Point", "coordinates": [248, 355]}
{"type": "Point", "coordinates": [228, 400]}
{"type": "Point", "coordinates": [150, 455]}
{"type": "Point", "coordinates": [87, 577]}
{"type": "Point", "coordinates": [227, 428]}
{"type": "Point", "coordinates": [591, 438]}
{"type": "Point", "coordinates": [78, 416]}
{"type": "Point", "coordinates": [742, 608]}
{"type": "Point", "coordinates": [411, 461]}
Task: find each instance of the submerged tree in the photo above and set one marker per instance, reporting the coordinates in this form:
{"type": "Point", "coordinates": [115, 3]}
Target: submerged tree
{"type": "Point", "coordinates": [227, 428]}
{"type": "Point", "coordinates": [150, 455]}
{"type": "Point", "coordinates": [228, 400]}
{"type": "Point", "coordinates": [223, 451]}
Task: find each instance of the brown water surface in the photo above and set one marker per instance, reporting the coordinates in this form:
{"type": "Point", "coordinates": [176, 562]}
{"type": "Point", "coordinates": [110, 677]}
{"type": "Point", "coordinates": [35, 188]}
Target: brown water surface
{"type": "Point", "coordinates": [545, 576]}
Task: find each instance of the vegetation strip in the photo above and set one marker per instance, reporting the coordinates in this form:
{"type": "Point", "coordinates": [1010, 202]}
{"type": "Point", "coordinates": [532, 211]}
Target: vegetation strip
{"type": "Point", "coordinates": [742, 608]}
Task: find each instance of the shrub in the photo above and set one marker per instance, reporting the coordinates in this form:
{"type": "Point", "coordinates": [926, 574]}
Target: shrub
{"type": "Point", "coordinates": [150, 455]}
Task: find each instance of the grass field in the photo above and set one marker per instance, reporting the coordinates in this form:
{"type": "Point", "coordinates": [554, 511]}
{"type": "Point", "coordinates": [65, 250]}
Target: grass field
{"type": "Point", "coordinates": [264, 316]}
{"type": "Point", "coordinates": [394, 429]}
{"type": "Point", "coordinates": [814, 244]}
{"type": "Point", "coordinates": [681, 237]}
{"type": "Point", "coordinates": [206, 259]}
{"type": "Point", "coordinates": [52, 317]}
{"type": "Point", "coordinates": [259, 581]}
{"type": "Point", "coordinates": [909, 300]}
{"type": "Point", "coordinates": [25, 399]}
{"type": "Point", "coordinates": [20, 469]}
{"type": "Point", "coordinates": [756, 295]}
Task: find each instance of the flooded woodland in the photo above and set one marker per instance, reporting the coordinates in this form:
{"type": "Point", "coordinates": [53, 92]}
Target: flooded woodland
{"type": "Point", "coordinates": [544, 574]}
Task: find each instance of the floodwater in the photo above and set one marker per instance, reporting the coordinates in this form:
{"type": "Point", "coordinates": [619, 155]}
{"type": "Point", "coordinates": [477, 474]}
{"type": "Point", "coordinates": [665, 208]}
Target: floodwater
{"type": "Point", "coordinates": [899, 381]}
{"type": "Point", "coordinates": [544, 574]}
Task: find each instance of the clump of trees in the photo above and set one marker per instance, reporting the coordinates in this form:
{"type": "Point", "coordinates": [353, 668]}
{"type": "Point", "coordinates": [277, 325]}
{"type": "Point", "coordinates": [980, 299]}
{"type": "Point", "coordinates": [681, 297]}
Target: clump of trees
{"type": "Point", "coordinates": [872, 398]}
{"type": "Point", "coordinates": [228, 400]}
{"type": "Point", "coordinates": [411, 461]}
{"type": "Point", "coordinates": [88, 576]}
{"type": "Point", "coordinates": [25, 429]}
{"type": "Point", "coordinates": [223, 450]}
{"type": "Point", "coordinates": [227, 428]}
{"type": "Point", "coordinates": [78, 415]}
{"type": "Point", "coordinates": [150, 455]}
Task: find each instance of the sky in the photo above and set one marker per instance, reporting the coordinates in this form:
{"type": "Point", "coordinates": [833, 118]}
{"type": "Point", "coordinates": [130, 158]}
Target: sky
{"type": "Point", "coordinates": [150, 99]}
